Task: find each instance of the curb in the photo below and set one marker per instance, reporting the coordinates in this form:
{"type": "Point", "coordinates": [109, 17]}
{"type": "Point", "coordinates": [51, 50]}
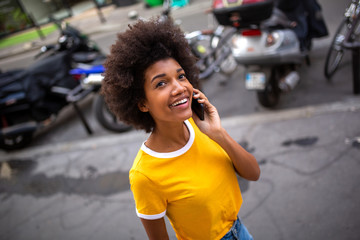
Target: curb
{"type": "Point", "coordinates": [350, 105]}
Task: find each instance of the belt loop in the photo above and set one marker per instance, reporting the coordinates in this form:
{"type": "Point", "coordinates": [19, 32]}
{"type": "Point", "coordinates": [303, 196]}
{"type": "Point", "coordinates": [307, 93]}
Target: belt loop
{"type": "Point", "coordinates": [234, 229]}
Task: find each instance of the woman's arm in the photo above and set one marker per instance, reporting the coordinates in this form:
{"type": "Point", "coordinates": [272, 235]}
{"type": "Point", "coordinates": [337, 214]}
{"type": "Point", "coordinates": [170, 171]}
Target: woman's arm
{"type": "Point", "coordinates": [245, 163]}
{"type": "Point", "coordinates": [155, 229]}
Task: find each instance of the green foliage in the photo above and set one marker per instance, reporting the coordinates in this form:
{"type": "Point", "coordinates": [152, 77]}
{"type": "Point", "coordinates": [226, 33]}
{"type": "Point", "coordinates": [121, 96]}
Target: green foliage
{"type": "Point", "coordinates": [16, 20]}
{"type": "Point", "coordinates": [26, 36]}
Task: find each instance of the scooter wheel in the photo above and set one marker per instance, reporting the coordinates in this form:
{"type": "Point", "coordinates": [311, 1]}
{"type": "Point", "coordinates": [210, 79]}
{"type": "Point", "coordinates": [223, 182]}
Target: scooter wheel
{"type": "Point", "coordinates": [106, 118]}
{"type": "Point", "coordinates": [16, 141]}
{"type": "Point", "coordinates": [270, 96]}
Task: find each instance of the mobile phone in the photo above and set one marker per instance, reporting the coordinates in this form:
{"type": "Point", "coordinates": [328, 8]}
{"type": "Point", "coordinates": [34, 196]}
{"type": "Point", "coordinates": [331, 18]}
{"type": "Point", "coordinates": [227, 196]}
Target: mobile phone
{"type": "Point", "coordinates": [198, 108]}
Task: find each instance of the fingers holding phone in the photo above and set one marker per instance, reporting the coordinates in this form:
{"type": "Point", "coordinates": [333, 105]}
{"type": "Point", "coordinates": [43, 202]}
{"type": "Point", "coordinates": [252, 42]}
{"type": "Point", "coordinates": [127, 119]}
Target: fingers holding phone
{"type": "Point", "coordinates": [210, 112]}
{"type": "Point", "coordinates": [198, 108]}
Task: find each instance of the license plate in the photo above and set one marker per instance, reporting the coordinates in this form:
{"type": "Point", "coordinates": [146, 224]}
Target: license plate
{"type": "Point", "coordinates": [255, 81]}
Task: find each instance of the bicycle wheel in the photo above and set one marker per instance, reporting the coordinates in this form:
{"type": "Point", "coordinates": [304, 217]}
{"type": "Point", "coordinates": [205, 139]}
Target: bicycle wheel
{"type": "Point", "coordinates": [336, 51]}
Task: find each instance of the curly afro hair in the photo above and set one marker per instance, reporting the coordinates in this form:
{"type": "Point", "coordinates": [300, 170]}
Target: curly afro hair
{"type": "Point", "coordinates": [140, 46]}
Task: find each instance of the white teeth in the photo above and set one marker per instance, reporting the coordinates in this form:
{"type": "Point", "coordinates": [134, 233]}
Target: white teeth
{"type": "Point", "coordinates": [179, 102]}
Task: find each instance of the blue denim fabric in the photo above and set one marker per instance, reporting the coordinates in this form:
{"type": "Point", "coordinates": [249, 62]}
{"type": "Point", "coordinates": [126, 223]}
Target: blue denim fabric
{"type": "Point", "coordinates": [238, 232]}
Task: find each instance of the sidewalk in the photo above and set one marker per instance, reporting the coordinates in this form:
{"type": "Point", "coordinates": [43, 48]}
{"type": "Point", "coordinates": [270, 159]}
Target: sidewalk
{"type": "Point", "coordinates": [117, 19]}
{"type": "Point", "coordinates": [309, 159]}
{"type": "Point", "coordinates": [308, 189]}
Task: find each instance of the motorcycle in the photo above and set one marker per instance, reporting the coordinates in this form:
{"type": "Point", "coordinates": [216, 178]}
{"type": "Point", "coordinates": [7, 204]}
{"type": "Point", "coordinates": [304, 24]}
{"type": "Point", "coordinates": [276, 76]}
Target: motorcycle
{"type": "Point", "coordinates": [91, 77]}
{"type": "Point", "coordinates": [268, 43]}
{"type": "Point", "coordinates": [88, 60]}
{"type": "Point", "coordinates": [31, 98]}
{"type": "Point", "coordinates": [71, 39]}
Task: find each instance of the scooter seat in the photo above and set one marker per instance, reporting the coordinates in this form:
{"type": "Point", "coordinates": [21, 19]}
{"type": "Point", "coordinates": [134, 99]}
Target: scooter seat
{"type": "Point", "coordinates": [86, 57]}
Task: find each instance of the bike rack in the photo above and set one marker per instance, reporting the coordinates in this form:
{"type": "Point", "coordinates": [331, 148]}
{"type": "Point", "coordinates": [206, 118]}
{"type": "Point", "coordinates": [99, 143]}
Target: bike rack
{"type": "Point", "coordinates": [355, 49]}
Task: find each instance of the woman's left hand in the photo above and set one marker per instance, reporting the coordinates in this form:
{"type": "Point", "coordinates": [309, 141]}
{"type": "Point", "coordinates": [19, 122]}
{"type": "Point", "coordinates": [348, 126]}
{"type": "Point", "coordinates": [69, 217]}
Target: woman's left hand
{"type": "Point", "coordinates": [211, 123]}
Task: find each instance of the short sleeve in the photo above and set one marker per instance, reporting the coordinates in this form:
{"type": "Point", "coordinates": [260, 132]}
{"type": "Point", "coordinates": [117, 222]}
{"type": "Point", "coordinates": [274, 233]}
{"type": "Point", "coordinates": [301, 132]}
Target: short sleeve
{"type": "Point", "coordinates": [149, 199]}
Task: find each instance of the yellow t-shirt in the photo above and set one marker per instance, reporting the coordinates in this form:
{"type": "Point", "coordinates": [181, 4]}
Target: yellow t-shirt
{"type": "Point", "coordinates": [195, 186]}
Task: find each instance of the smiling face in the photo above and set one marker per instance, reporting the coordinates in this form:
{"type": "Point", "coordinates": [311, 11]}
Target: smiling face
{"type": "Point", "coordinates": [168, 92]}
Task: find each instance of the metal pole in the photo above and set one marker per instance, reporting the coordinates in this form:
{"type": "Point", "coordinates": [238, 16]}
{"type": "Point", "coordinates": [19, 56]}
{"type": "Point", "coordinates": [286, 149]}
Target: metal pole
{"type": "Point", "coordinates": [355, 50]}
{"type": "Point", "coordinates": [98, 7]}
{"type": "Point", "coordinates": [66, 5]}
{"type": "Point", "coordinates": [37, 27]}
{"type": "Point", "coordinates": [31, 18]}
{"type": "Point", "coordinates": [356, 71]}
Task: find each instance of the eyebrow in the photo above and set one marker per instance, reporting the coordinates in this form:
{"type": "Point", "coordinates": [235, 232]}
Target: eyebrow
{"type": "Point", "coordinates": [158, 76]}
{"type": "Point", "coordinates": [163, 74]}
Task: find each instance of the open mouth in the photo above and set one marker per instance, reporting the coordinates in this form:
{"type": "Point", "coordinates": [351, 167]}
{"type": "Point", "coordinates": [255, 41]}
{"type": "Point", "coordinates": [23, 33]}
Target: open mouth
{"type": "Point", "coordinates": [180, 102]}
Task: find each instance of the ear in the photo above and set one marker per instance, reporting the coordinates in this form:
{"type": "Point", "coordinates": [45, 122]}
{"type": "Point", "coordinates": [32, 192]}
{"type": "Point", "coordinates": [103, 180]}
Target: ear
{"type": "Point", "coordinates": [142, 106]}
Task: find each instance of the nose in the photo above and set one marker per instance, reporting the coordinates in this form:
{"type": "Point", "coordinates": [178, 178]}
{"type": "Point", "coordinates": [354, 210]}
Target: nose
{"type": "Point", "coordinates": [178, 88]}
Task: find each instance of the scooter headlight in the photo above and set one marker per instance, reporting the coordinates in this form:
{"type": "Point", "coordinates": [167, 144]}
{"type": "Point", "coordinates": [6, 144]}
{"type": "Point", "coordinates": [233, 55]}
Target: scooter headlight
{"type": "Point", "coordinates": [62, 39]}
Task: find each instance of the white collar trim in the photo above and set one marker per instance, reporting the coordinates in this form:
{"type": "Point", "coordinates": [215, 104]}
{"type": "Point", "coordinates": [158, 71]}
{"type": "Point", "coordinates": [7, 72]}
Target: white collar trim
{"type": "Point", "coordinates": [177, 152]}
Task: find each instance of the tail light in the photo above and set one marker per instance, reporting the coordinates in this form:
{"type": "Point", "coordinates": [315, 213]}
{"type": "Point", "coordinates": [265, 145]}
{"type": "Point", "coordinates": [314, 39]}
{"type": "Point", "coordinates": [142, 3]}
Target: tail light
{"type": "Point", "coordinates": [252, 1]}
{"type": "Point", "coordinates": [218, 4]}
{"type": "Point", "coordinates": [4, 123]}
{"type": "Point", "coordinates": [77, 77]}
{"type": "Point", "coordinates": [230, 3]}
{"type": "Point", "coordinates": [251, 33]}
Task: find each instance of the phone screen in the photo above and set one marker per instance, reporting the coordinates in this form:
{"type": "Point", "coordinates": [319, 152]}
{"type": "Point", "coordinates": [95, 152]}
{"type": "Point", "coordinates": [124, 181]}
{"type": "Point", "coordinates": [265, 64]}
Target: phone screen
{"type": "Point", "coordinates": [198, 108]}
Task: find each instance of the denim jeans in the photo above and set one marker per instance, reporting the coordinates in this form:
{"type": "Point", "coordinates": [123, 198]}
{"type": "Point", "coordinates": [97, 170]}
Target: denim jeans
{"type": "Point", "coordinates": [238, 232]}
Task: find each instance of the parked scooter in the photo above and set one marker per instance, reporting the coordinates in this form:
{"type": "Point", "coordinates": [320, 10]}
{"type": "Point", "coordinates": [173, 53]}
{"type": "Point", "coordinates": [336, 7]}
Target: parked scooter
{"type": "Point", "coordinates": [88, 59]}
{"type": "Point", "coordinates": [71, 39]}
{"type": "Point", "coordinates": [267, 43]}
{"type": "Point", "coordinates": [210, 46]}
{"type": "Point", "coordinates": [31, 98]}
{"type": "Point", "coordinates": [91, 77]}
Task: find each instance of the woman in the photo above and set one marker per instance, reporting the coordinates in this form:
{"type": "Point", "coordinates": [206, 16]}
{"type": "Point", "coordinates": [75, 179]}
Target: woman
{"type": "Point", "coordinates": [186, 168]}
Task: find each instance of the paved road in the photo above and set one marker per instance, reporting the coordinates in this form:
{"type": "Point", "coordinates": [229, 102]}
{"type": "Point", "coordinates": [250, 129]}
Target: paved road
{"type": "Point", "coordinates": [70, 186]}
{"type": "Point", "coordinates": [309, 160]}
{"type": "Point", "coordinates": [231, 99]}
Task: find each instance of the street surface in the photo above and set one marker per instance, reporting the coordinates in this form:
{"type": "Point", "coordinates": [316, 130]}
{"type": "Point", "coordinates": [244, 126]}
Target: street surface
{"type": "Point", "coordinates": [68, 185]}
{"type": "Point", "coordinates": [232, 98]}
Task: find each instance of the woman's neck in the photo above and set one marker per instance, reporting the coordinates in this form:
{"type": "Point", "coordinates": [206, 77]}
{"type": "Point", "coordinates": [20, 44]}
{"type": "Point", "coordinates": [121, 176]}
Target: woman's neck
{"type": "Point", "coordinates": [168, 138]}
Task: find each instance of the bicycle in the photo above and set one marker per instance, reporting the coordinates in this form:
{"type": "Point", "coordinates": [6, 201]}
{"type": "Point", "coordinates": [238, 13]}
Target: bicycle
{"type": "Point", "coordinates": [211, 47]}
{"type": "Point", "coordinates": [347, 32]}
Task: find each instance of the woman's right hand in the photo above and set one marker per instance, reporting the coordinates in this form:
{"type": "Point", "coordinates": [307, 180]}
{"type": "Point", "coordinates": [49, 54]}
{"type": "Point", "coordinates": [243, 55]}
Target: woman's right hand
{"type": "Point", "coordinates": [211, 124]}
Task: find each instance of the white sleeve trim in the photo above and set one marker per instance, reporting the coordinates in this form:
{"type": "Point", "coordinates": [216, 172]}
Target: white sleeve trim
{"type": "Point", "coordinates": [150, 217]}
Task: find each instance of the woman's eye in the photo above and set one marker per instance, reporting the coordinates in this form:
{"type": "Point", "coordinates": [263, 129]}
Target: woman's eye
{"type": "Point", "coordinates": [160, 84]}
{"type": "Point", "coordinates": [181, 76]}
